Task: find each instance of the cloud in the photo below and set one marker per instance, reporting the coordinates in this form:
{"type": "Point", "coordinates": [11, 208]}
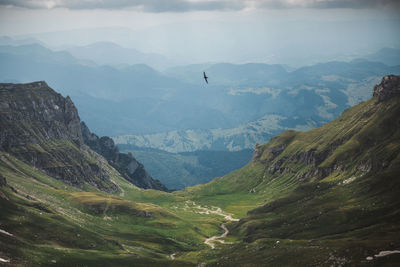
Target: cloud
{"type": "Point", "coordinates": [197, 5]}
{"type": "Point", "coordinates": [142, 5]}
{"type": "Point", "coordinates": [322, 4]}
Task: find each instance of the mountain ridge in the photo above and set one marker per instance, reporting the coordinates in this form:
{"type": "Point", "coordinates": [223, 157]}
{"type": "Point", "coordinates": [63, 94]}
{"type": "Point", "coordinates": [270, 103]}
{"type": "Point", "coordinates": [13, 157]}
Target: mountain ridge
{"type": "Point", "coordinates": [41, 127]}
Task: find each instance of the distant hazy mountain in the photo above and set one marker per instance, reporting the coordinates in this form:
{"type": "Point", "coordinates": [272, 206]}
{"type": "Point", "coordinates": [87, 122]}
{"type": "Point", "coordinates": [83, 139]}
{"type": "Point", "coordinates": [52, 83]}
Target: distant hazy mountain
{"type": "Point", "coordinates": [180, 170]}
{"type": "Point", "coordinates": [107, 53]}
{"type": "Point", "coordinates": [104, 94]}
{"type": "Point", "coordinates": [388, 56]}
{"type": "Point", "coordinates": [138, 100]}
{"type": "Point", "coordinates": [302, 99]}
{"type": "Point", "coordinates": [7, 40]}
{"type": "Point", "coordinates": [36, 52]}
{"type": "Point", "coordinates": [227, 74]}
{"type": "Point", "coordinates": [242, 137]}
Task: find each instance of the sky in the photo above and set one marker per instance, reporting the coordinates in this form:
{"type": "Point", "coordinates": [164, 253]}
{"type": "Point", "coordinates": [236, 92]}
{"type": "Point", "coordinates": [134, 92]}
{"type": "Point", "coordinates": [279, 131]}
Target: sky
{"type": "Point", "coordinates": [293, 32]}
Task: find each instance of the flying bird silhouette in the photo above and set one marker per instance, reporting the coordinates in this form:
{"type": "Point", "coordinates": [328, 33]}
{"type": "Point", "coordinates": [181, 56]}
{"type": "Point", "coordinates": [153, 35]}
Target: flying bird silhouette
{"type": "Point", "coordinates": [205, 77]}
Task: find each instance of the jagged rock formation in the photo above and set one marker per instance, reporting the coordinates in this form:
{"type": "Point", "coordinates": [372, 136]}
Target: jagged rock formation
{"type": "Point", "coordinates": [42, 128]}
{"type": "Point", "coordinates": [389, 87]}
{"type": "Point", "coordinates": [38, 113]}
{"type": "Point", "coordinates": [125, 164]}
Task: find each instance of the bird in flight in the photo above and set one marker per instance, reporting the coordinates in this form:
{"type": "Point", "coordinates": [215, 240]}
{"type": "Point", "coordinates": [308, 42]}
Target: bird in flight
{"type": "Point", "coordinates": [205, 77]}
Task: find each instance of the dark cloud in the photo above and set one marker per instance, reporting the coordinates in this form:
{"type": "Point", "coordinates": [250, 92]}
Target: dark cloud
{"type": "Point", "coordinates": [23, 3]}
{"type": "Point", "coordinates": [354, 4]}
{"type": "Point", "coordinates": [193, 5]}
{"type": "Point", "coordinates": [143, 5]}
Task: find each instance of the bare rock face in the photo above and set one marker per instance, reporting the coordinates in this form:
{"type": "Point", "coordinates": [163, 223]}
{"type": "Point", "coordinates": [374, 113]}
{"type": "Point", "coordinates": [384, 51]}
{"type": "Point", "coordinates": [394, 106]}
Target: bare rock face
{"type": "Point", "coordinates": [388, 88]}
{"type": "Point", "coordinates": [42, 128]}
{"type": "Point", "coordinates": [125, 164]}
{"type": "Point", "coordinates": [33, 112]}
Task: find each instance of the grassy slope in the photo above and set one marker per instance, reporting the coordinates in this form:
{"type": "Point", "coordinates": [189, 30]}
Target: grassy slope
{"type": "Point", "coordinates": [320, 220]}
{"type": "Point", "coordinates": [53, 221]}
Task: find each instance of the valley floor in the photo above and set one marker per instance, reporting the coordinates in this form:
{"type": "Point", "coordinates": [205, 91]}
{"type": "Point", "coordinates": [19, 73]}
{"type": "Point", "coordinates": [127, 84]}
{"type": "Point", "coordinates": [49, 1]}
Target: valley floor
{"type": "Point", "coordinates": [44, 221]}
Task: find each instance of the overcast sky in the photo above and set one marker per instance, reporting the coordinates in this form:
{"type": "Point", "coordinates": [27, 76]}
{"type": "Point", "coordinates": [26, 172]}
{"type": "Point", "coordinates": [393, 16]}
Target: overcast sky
{"type": "Point", "coordinates": [274, 31]}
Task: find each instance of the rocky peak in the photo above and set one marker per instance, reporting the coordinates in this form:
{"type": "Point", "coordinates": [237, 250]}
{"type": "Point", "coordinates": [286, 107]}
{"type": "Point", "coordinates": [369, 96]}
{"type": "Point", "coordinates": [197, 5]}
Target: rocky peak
{"type": "Point", "coordinates": [42, 128]}
{"type": "Point", "coordinates": [41, 113]}
{"type": "Point", "coordinates": [389, 87]}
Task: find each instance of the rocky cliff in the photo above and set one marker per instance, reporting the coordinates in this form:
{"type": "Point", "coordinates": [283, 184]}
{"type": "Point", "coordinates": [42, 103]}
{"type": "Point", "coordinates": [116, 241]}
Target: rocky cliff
{"type": "Point", "coordinates": [33, 113]}
{"type": "Point", "coordinates": [42, 128]}
{"type": "Point", "coordinates": [124, 163]}
{"type": "Point", "coordinates": [389, 87]}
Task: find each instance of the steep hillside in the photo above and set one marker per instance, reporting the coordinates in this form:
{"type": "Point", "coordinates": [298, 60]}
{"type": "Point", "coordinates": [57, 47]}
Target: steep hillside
{"type": "Point", "coordinates": [42, 128]}
{"type": "Point", "coordinates": [125, 164]}
{"type": "Point", "coordinates": [322, 197]}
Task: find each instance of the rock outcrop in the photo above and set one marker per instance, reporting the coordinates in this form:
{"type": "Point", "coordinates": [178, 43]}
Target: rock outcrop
{"type": "Point", "coordinates": [43, 129]}
{"type": "Point", "coordinates": [125, 164]}
{"type": "Point", "coordinates": [3, 181]}
{"type": "Point", "coordinates": [33, 112]}
{"type": "Point", "coordinates": [389, 87]}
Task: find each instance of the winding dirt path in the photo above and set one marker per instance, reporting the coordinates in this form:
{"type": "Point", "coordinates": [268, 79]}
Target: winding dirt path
{"type": "Point", "coordinates": [211, 241]}
{"type": "Point", "coordinates": [191, 205]}
{"type": "Point", "coordinates": [218, 211]}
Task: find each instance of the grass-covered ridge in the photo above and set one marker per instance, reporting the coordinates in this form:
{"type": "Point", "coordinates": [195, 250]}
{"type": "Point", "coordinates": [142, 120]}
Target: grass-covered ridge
{"type": "Point", "coordinates": [343, 204]}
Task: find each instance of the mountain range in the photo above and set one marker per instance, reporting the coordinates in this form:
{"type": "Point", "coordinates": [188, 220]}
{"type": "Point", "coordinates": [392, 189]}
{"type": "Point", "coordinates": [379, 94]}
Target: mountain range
{"type": "Point", "coordinates": [178, 99]}
{"type": "Point", "coordinates": [175, 111]}
{"type": "Point", "coordinates": [107, 53]}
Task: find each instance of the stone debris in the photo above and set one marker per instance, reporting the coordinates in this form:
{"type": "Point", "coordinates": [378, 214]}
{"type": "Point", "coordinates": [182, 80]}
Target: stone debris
{"type": "Point", "coordinates": [5, 232]}
{"type": "Point", "coordinates": [4, 260]}
{"type": "Point", "coordinates": [386, 253]}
